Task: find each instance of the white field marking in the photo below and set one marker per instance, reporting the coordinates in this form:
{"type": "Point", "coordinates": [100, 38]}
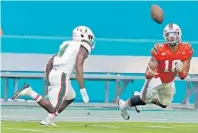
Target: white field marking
{"type": "Point", "coordinates": [42, 131]}
{"type": "Point", "coordinates": [159, 127]}
{"type": "Point", "coordinates": [31, 130]}
{"type": "Point", "coordinates": [111, 126]}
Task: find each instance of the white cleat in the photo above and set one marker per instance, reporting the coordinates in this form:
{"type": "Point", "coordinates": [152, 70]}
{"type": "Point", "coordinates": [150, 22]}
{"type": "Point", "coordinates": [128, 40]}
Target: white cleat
{"type": "Point", "coordinates": [46, 124]}
{"type": "Point", "coordinates": [25, 91]}
{"type": "Point", "coordinates": [136, 93]}
{"type": "Point", "coordinates": [123, 109]}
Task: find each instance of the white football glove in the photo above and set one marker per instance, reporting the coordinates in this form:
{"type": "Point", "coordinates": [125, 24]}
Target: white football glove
{"type": "Point", "coordinates": [84, 95]}
{"type": "Point", "coordinates": [179, 66]}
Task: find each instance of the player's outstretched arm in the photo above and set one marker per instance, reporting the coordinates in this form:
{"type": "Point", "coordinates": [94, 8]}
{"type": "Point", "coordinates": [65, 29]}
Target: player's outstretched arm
{"type": "Point", "coordinates": [152, 65]}
{"type": "Point", "coordinates": [82, 55]}
{"type": "Point", "coordinates": [186, 67]}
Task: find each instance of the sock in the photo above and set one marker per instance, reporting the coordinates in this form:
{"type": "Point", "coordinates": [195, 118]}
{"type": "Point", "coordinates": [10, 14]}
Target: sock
{"type": "Point", "coordinates": [50, 118]}
{"type": "Point", "coordinates": [35, 95]}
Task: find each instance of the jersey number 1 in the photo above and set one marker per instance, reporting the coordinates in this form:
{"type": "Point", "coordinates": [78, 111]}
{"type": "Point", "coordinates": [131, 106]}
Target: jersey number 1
{"type": "Point", "coordinates": [170, 66]}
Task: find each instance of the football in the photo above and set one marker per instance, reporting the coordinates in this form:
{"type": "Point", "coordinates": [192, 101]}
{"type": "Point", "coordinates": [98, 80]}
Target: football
{"type": "Point", "coordinates": [157, 14]}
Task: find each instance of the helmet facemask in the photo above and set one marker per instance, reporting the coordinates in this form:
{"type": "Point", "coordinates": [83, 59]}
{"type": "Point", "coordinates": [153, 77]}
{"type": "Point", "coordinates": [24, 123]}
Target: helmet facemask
{"type": "Point", "coordinates": [172, 38]}
{"type": "Point", "coordinates": [91, 40]}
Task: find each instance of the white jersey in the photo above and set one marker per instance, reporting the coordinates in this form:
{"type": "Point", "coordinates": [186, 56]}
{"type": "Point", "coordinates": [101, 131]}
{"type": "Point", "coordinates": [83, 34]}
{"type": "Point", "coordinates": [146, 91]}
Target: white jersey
{"type": "Point", "coordinates": [65, 59]}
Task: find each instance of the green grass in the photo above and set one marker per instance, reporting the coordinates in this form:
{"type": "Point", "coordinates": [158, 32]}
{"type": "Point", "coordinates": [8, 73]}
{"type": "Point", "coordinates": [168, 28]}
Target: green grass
{"type": "Point", "coordinates": [99, 127]}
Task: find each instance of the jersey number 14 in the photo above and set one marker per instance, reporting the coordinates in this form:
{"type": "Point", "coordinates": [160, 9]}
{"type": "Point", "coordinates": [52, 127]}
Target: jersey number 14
{"type": "Point", "coordinates": [170, 66]}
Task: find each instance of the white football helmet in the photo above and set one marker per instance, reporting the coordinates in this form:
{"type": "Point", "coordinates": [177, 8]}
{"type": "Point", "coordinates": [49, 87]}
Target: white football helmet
{"type": "Point", "coordinates": [85, 35]}
{"type": "Point", "coordinates": [172, 34]}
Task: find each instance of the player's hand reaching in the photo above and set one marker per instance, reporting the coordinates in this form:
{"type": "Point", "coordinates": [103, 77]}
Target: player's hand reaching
{"type": "Point", "coordinates": [84, 95]}
{"type": "Point", "coordinates": [150, 73]}
{"type": "Point", "coordinates": [179, 66]}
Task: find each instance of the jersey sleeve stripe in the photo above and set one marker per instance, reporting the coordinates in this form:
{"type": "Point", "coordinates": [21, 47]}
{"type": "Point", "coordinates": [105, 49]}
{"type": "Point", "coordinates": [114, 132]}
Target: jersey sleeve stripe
{"type": "Point", "coordinates": [154, 49]}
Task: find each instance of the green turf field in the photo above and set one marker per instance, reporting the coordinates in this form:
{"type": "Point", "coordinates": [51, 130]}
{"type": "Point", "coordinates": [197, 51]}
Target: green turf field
{"type": "Point", "coordinates": [102, 127]}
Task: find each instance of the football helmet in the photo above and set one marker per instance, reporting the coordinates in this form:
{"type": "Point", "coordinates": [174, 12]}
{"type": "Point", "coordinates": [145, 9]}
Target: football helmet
{"type": "Point", "coordinates": [85, 35]}
{"type": "Point", "coordinates": [172, 34]}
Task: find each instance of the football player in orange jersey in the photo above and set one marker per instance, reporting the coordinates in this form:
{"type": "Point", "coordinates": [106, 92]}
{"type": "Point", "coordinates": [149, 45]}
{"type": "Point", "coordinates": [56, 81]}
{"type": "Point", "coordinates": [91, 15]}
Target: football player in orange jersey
{"type": "Point", "coordinates": [168, 60]}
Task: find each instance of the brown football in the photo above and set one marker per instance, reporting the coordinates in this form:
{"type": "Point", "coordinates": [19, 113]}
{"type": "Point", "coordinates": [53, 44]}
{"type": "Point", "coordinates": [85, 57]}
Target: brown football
{"type": "Point", "coordinates": [157, 14]}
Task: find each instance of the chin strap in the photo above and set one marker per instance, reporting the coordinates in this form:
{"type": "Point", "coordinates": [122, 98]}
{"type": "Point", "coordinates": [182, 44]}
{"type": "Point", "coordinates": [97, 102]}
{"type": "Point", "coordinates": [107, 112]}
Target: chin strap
{"type": "Point", "coordinates": [173, 43]}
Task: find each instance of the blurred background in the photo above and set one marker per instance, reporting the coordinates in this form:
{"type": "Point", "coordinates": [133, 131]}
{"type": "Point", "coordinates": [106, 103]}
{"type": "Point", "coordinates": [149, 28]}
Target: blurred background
{"type": "Point", "coordinates": [121, 29]}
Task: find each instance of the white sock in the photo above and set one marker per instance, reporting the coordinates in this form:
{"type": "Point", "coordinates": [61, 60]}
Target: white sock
{"type": "Point", "coordinates": [35, 95]}
{"type": "Point", "coordinates": [50, 118]}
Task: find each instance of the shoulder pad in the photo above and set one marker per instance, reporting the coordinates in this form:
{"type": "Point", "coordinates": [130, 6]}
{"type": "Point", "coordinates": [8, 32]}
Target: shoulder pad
{"type": "Point", "coordinates": [188, 50]}
{"type": "Point", "coordinates": [65, 43]}
{"type": "Point", "coordinates": [187, 46]}
{"type": "Point", "coordinates": [157, 50]}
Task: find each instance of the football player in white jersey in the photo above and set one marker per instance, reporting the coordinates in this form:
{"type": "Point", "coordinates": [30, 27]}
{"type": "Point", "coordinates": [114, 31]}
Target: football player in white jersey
{"type": "Point", "coordinates": [71, 54]}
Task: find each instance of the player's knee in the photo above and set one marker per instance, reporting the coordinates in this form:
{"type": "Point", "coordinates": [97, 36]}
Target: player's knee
{"type": "Point", "coordinates": [136, 100]}
{"type": "Point", "coordinates": [71, 95]}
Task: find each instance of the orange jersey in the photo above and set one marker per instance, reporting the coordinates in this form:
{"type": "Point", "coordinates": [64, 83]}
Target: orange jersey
{"type": "Point", "coordinates": [166, 59]}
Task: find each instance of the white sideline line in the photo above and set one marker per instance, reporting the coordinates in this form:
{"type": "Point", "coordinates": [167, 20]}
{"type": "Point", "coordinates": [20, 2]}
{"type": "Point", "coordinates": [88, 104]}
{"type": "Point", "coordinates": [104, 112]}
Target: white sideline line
{"type": "Point", "coordinates": [42, 131]}
{"type": "Point", "coordinates": [158, 127]}
{"type": "Point", "coordinates": [97, 39]}
{"type": "Point", "coordinates": [111, 126]}
{"type": "Point", "coordinates": [31, 130]}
